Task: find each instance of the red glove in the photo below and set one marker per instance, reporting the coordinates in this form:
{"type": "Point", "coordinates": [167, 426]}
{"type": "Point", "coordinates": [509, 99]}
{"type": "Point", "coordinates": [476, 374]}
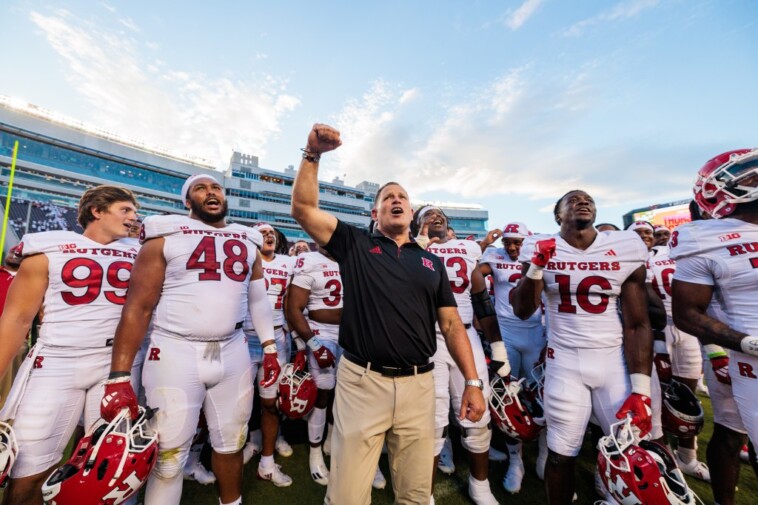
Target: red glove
{"type": "Point", "coordinates": [299, 362]}
{"type": "Point", "coordinates": [322, 354]}
{"type": "Point", "coordinates": [543, 251]}
{"type": "Point", "coordinates": [271, 366]}
{"type": "Point", "coordinates": [118, 395]}
{"type": "Point", "coordinates": [720, 366]}
{"type": "Point", "coordinates": [662, 363]}
{"type": "Point", "coordinates": [639, 407]}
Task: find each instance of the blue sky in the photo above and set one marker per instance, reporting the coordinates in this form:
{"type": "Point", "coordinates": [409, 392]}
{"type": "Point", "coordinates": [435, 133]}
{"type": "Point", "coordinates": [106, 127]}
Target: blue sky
{"type": "Point", "coordinates": [503, 103]}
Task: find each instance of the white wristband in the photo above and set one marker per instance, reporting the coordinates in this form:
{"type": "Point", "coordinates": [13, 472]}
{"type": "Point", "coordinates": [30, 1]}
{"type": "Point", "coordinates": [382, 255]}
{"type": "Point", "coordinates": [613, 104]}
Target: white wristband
{"type": "Point", "coordinates": [535, 272]}
{"type": "Point", "coordinates": [270, 349]}
{"type": "Point", "coordinates": [714, 351]}
{"type": "Point", "coordinates": [314, 344]}
{"type": "Point", "coordinates": [659, 347]}
{"type": "Point", "coordinates": [640, 384]}
{"type": "Point", "coordinates": [749, 345]}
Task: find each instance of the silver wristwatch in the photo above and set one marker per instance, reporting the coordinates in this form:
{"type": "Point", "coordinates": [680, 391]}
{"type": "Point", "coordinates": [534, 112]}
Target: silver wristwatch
{"type": "Point", "coordinates": [475, 382]}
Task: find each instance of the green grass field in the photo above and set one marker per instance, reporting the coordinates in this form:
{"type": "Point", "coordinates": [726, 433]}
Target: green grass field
{"type": "Point", "coordinates": [450, 490]}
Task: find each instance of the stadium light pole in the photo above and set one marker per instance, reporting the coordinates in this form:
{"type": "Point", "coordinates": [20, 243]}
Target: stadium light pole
{"type": "Point", "coordinates": [8, 201]}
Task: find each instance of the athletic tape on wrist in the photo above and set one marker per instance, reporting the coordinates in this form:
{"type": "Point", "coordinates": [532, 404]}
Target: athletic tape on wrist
{"type": "Point", "coordinates": [640, 384]}
{"type": "Point", "coordinates": [714, 351]}
{"type": "Point", "coordinates": [535, 272]}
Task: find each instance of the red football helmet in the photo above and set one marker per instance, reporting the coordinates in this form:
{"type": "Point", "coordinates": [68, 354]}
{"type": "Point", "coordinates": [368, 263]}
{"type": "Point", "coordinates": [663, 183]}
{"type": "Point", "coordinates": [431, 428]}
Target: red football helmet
{"type": "Point", "coordinates": [640, 472]}
{"type": "Point", "coordinates": [728, 179]}
{"type": "Point", "coordinates": [515, 410]}
{"type": "Point", "coordinates": [681, 412]}
{"type": "Point", "coordinates": [109, 465]}
{"type": "Point", "coordinates": [8, 451]}
{"type": "Point", "coordinates": [297, 392]}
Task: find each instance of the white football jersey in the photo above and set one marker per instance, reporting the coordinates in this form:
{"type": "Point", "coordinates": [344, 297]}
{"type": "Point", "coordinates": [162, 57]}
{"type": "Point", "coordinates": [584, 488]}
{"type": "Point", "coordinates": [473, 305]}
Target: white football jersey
{"type": "Point", "coordinates": [278, 274]}
{"type": "Point", "coordinates": [662, 268]}
{"type": "Point", "coordinates": [582, 287]}
{"type": "Point", "coordinates": [722, 253]}
{"type": "Point", "coordinates": [86, 290]}
{"type": "Point", "coordinates": [505, 275]}
{"type": "Point", "coordinates": [460, 257]}
{"type": "Point", "coordinates": [321, 276]}
{"type": "Point", "coordinates": [204, 294]}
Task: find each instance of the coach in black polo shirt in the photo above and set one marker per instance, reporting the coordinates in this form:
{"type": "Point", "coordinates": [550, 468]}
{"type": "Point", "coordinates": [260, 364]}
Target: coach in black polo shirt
{"type": "Point", "coordinates": [394, 293]}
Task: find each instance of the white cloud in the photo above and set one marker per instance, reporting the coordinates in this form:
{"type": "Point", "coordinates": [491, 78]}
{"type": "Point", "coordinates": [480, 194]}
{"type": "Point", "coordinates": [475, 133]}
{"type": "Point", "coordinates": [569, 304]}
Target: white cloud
{"type": "Point", "coordinates": [517, 18]}
{"type": "Point", "coordinates": [130, 24]}
{"type": "Point", "coordinates": [513, 136]}
{"type": "Point", "coordinates": [621, 11]}
{"type": "Point", "coordinates": [199, 114]}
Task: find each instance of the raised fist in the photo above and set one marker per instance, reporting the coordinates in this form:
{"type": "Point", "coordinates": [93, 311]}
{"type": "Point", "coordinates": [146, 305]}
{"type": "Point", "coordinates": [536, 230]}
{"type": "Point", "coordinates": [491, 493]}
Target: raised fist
{"type": "Point", "coordinates": [322, 138]}
{"type": "Point", "coordinates": [543, 251]}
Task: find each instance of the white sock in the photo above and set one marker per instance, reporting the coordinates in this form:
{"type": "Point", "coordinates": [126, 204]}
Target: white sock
{"type": "Point", "coordinates": [315, 450]}
{"type": "Point", "coordinates": [267, 461]}
{"type": "Point", "coordinates": [316, 423]}
{"type": "Point", "coordinates": [686, 455]}
{"type": "Point", "coordinates": [515, 450]}
{"type": "Point", "coordinates": [238, 501]}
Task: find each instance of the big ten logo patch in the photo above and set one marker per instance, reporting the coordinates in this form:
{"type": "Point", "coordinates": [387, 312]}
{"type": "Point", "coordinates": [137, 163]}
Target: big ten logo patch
{"type": "Point", "coordinates": [155, 354]}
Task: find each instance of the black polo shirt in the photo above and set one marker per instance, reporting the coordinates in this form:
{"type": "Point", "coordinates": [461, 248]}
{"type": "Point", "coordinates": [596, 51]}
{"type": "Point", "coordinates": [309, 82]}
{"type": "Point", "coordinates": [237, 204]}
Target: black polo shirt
{"type": "Point", "coordinates": [391, 296]}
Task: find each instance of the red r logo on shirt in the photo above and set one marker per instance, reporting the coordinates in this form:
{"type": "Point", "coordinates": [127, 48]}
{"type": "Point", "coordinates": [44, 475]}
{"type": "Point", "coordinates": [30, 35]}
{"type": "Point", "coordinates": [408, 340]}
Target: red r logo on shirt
{"type": "Point", "coordinates": [155, 354]}
{"type": "Point", "coordinates": [427, 263]}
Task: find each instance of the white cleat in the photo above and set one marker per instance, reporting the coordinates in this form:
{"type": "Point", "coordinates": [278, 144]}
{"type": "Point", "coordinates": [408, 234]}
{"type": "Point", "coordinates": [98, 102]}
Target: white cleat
{"type": "Point", "coordinates": [495, 455]}
{"type": "Point", "coordinates": [694, 468]}
{"type": "Point", "coordinates": [379, 481]}
{"type": "Point", "coordinates": [283, 448]}
{"type": "Point", "coordinates": [199, 474]}
{"type": "Point", "coordinates": [445, 464]}
{"type": "Point", "coordinates": [480, 493]}
{"type": "Point", "coordinates": [319, 470]}
{"type": "Point", "coordinates": [514, 476]}
{"type": "Point", "coordinates": [702, 389]}
{"type": "Point", "coordinates": [250, 450]}
{"type": "Point", "coordinates": [275, 475]}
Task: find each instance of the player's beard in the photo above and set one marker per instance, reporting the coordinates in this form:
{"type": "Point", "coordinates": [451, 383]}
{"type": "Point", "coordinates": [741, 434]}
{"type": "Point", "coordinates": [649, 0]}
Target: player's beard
{"type": "Point", "coordinates": [207, 217]}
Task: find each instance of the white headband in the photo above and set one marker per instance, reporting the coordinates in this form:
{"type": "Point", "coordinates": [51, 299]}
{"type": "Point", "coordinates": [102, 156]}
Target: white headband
{"type": "Point", "coordinates": [263, 226]}
{"type": "Point", "coordinates": [191, 180]}
{"type": "Point", "coordinates": [640, 225]}
{"type": "Point", "coordinates": [423, 211]}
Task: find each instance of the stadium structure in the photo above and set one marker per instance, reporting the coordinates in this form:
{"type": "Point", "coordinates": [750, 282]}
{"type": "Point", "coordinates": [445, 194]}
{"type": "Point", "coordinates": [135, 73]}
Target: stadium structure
{"type": "Point", "coordinates": [59, 158]}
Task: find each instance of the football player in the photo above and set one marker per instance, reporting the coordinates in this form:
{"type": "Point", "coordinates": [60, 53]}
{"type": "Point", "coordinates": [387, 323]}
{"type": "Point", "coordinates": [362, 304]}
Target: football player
{"type": "Point", "coordinates": [662, 235]}
{"type": "Point", "coordinates": [677, 355]}
{"type": "Point", "coordinates": [595, 364]}
{"type": "Point", "coordinates": [81, 280]}
{"type": "Point", "coordinates": [277, 272]}
{"type": "Point", "coordinates": [461, 259]}
{"type": "Point", "coordinates": [200, 276]}
{"type": "Point", "coordinates": [524, 340]}
{"type": "Point", "coordinates": [718, 257]}
{"type": "Point", "coordinates": [300, 247]}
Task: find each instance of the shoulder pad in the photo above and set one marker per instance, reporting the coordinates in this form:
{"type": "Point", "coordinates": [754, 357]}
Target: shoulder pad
{"type": "Point", "coordinates": [47, 242]}
{"type": "Point", "coordinates": [161, 226]}
{"type": "Point", "coordinates": [684, 240]}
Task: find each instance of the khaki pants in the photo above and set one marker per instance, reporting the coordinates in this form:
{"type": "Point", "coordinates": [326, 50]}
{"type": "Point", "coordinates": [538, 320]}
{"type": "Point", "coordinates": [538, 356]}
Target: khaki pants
{"type": "Point", "coordinates": [367, 408]}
